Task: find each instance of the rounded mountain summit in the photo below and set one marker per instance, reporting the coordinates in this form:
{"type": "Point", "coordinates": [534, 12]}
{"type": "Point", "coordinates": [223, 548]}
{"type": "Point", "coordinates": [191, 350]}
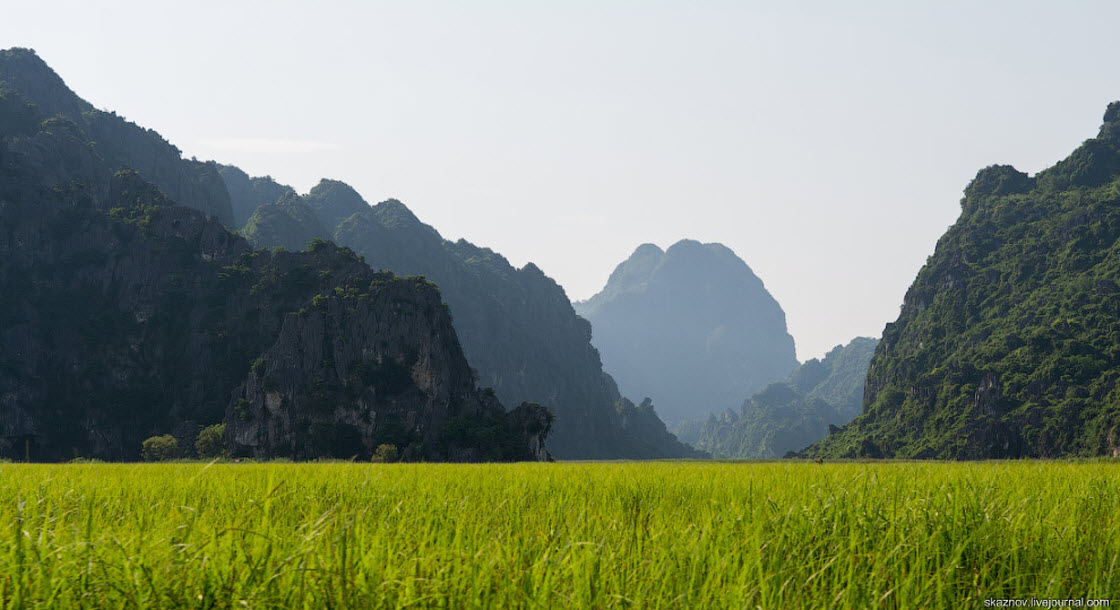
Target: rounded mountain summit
{"type": "Point", "coordinates": [691, 327]}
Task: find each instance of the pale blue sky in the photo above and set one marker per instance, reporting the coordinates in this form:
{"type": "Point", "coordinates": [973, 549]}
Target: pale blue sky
{"type": "Point", "coordinates": [827, 143]}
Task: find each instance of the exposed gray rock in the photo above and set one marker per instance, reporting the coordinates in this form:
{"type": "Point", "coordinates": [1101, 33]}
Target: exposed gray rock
{"type": "Point", "coordinates": [691, 327]}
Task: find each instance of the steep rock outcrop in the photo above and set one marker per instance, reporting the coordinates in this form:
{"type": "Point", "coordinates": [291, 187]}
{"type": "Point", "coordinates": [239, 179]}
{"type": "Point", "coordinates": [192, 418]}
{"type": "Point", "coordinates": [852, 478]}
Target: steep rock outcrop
{"type": "Point", "coordinates": [1006, 344]}
{"type": "Point", "coordinates": [373, 365]}
{"type": "Point", "coordinates": [693, 327]}
{"type": "Point", "coordinates": [519, 332]}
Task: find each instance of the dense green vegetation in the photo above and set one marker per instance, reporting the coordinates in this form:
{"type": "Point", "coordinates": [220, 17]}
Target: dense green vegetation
{"type": "Point", "coordinates": [692, 327]}
{"type": "Point", "coordinates": [160, 448]}
{"type": "Point", "coordinates": [655, 535]}
{"type": "Point", "coordinates": [1008, 343]}
{"type": "Point", "coordinates": [211, 442]}
{"type": "Point", "coordinates": [791, 415]}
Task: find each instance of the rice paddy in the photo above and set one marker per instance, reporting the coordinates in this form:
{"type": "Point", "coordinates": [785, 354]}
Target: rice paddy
{"type": "Point", "coordinates": [563, 535]}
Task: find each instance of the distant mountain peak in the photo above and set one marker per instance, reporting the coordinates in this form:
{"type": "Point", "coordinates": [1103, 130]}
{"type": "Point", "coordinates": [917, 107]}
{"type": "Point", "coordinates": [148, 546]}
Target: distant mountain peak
{"type": "Point", "coordinates": [691, 326]}
{"type": "Point", "coordinates": [685, 244]}
{"type": "Point", "coordinates": [338, 189]}
{"type": "Point", "coordinates": [394, 214]}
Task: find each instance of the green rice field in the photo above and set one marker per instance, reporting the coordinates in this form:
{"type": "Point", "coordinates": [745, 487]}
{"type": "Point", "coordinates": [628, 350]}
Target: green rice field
{"type": "Point", "coordinates": [562, 535]}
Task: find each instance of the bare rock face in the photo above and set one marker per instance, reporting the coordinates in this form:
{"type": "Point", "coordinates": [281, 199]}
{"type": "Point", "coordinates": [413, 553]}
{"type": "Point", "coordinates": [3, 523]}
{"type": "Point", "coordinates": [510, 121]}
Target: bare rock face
{"type": "Point", "coordinates": [361, 368]}
{"type": "Point", "coordinates": [533, 423]}
{"type": "Point", "coordinates": [719, 335]}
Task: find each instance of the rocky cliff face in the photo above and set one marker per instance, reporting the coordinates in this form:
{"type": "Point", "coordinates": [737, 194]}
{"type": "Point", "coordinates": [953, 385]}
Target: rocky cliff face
{"type": "Point", "coordinates": [691, 327]}
{"type": "Point", "coordinates": [119, 143]}
{"type": "Point", "coordinates": [124, 315]}
{"type": "Point", "coordinates": [369, 365]}
{"type": "Point", "coordinates": [1006, 345]}
{"type": "Point", "coordinates": [517, 327]}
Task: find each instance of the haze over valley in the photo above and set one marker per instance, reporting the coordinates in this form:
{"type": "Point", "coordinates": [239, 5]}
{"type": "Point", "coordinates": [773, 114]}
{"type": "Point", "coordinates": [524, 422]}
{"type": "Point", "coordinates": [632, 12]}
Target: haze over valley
{"type": "Point", "coordinates": [826, 145]}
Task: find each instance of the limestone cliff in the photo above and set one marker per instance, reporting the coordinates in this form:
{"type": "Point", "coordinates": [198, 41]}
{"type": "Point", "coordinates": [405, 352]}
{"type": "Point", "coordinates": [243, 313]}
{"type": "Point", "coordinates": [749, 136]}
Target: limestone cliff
{"type": "Point", "coordinates": [124, 315]}
{"type": "Point", "coordinates": [1007, 344]}
{"type": "Point", "coordinates": [692, 327]}
{"type": "Point", "coordinates": [517, 327]}
{"type": "Point", "coordinates": [368, 365]}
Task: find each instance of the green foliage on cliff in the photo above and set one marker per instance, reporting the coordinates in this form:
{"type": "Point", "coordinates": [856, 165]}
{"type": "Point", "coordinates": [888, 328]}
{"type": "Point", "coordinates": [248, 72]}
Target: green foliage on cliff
{"type": "Point", "coordinates": [16, 116]}
{"type": "Point", "coordinates": [333, 202]}
{"type": "Point", "coordinates": [287, 223]}
{"type": "Point", "coordinates": [1008, 343]}
{"type": "Point", "coordinates": [838, 378]}
{"type": "Point", "coordinates": [492, 434]}
{"type": "Point", "coordinates": [790, 416]}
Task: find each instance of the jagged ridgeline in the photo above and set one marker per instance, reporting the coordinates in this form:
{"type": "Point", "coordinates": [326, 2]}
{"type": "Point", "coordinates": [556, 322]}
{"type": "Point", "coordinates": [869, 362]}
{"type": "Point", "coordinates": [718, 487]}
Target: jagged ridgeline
{"type": "Point", "coordinates": [788, 416]}
{"type": "Point", "coordinates": [1008, 342]}
{"type": "Point", "coordinates": [517, 327]}
{"type": "Point", "coordinates": [123, 315]}
{"type": "Point", "coordinates": [118, 143]}
{"type": "Point", "coordinates": [692, 327]}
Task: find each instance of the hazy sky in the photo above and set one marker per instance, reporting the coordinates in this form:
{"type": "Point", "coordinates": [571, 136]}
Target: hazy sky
{"type": "Point", "coordinates": [827, 143]}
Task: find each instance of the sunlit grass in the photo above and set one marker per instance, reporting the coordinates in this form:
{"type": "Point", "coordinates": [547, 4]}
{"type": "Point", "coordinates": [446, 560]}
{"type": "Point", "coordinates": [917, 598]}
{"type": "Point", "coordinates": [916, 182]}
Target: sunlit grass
{"type": "Point", "coordinates": [647, 535]}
